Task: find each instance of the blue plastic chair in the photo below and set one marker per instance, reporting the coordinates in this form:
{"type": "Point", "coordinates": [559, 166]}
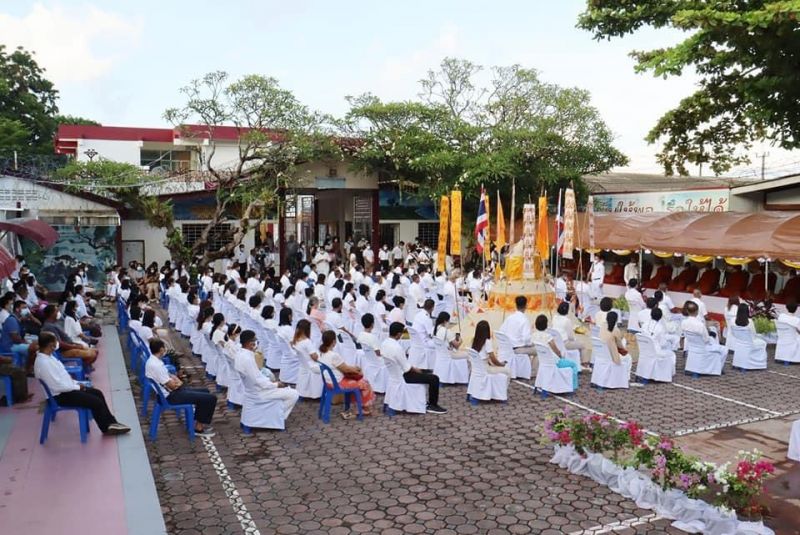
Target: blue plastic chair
{"type": "Point", "coordinates": [147, 389]}
{"type": "Point", "coordinates": [162, 405]}
{"type": "Point", "coordinates": [332, 388]}
{"type": "Point", "coordinates": [52, 408]}
{"type": "Point", "coordinates": [73, 366]}
{"type": "Point", "coordinates": [122, 314]}
{"type": "Point", "coordinates": [5, 382]}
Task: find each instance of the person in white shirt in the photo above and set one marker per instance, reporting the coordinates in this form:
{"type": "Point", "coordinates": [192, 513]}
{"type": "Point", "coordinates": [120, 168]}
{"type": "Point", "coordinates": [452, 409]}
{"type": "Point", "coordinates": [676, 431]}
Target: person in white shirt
{"type": "Point", "coordinates": [790, 317]}
{"type": "Point", "coordinates": [565, 326]}
{"type": "Point", "coordinates": [631, 271]}
{"type": "Point", "coordinates": [285, 328]}
{"type": "Point", "coordinates": [397, 314]}
{"type": "Point", "coordinates": [415, 291]}
{"type": "Point", "coordinates": [346, 375]}
{"type": "Point", "coordinates": [541, 336]}
{"type": "Point", "coordinates": [644, 314]}
{"type": "Point", "coordinates": [667, 299]}
{"type": "Point", "coordinates": [654, 328]}
{"type": "Point", "coordinates": [397, 254]}
{"type": "Point", "coordinates": [366, 338]}
{"type": "Point", "coordinates": [395, 356]}
{"type": "Point", "coordinates": [423, 322]}
{"type": "Point", "coordinates": [369, 259]}
{"type": "Point", "coordinates": [517, 328]}
{"type": "Point", "coordinates": [69, 393]}
{"type": "Point", "coordinates": [285, 281]}
{"type": "Point", "coordinates": [693, 324]}
{"type": "Point", "coordinates": [257, 383]}
{"type": "Point", "coordinates": [482, 344]}
{"type": "Point", "coordinates": [634, 297]}
{"type": "Point", "coordinates": [177, 392]}
{"type": "Point", "coordinates": [383, 257]}
{"type": "Point", "coordinates": [597, 273]}
{"type": "Point", "coordinates": [743, 319]}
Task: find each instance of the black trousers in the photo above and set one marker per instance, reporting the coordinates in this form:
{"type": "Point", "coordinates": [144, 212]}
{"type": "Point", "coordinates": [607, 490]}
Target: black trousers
{"type": "Point", "coordinates": [92, 399]}
{"type": "Point", "coordinates": [429, 379]}
{"type": "Point", "coordinates": [19, 381]}
{"type": "Point", "coordinates": [204, 402]}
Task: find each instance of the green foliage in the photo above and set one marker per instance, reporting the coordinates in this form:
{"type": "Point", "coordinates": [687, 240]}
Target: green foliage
{"type": "Point", "coordinates": [620, 303]}
{"type": "Point", "coordinates": [463, 134]}
{"type": "Point", "coordinates": [72, 119]}
{"type": "Point", "coordinates": [764, 325]}
{"type": "Point", "coordinates": [27, 98]}
{"type": "Point", "coordinates": [13, 134]}
{"type": "Point", "coordinates": [746, 55]}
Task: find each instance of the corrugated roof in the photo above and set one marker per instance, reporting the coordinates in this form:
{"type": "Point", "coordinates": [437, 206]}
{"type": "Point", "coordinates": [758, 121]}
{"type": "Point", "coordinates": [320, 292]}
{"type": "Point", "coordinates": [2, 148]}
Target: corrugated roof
{"type": "Point", "coordinates": [643, 182]}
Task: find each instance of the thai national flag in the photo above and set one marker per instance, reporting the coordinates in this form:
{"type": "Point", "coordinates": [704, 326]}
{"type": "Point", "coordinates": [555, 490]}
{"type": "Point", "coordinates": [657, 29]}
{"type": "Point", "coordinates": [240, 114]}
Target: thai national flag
{"type": "Point", "coordinates": [482, 224]}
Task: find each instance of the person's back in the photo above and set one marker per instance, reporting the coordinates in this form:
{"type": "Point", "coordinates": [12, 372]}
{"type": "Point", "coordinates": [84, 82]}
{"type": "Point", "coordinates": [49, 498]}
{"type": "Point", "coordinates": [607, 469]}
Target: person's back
{"type": "Point", "coordinates": [10, 326]}
{"type": "Point", "coordinates": [563, 324]}
{"type": "Point", "coordinates": [789, 319]}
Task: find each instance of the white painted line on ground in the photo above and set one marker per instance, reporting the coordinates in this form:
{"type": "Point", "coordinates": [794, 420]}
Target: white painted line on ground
{"type": "Point", "coordinates": [238, 505]}
{"type": "Point", "coordinates": [729, 400]}
{"type": "Point", "coordinates": [608, 528]}
{"type": "Point", "coordinates": [723, 425]}
{"type": "Point", "coordinates": [784, 374]}
{"type": "Point", "coordinates": [584, 407]}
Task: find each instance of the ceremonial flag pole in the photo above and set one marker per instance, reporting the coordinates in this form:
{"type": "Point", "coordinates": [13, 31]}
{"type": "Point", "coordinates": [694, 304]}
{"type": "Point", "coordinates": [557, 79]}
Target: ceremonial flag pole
{"type": "Point", "coordinates": [558, 233]}
{"type": "Point", "coordinates": [513, 206]}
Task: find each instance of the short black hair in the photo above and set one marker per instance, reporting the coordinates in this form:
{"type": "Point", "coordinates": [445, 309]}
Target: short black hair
{"type": "Point", "coordinates": [541, 322]}
{"type": "Point", "coordinates": [791, 307]}
{"type": "Point", "coordinates": [46, 338]}
{"type": "Point", "coordinates": [396, 328]}
{"type": "Point", "coordinates": [429, 303]}
{"type": "Point", "coordinates": [656, 314]}
{"type": "Point", "coordinates": [156, 345]}
{"type": "Point", "coordinates": [336, 303]}
{"type": "Point", "coordinates": [651, 302]}
{"type": "Point", "coordinates": [521, 301]}
{"type": "Point", "coordinates": [563, 308]}
{"type": "Point", "coordinates": [367, 320]}
{"type": "Point", "coordinates": [633, 283]}
{"type": "Point", "coordinates": [246, 337]}
{"type": "Point", "coordinates": [606, 304]}
{"type": "Point", "coordinates": [48, 310]}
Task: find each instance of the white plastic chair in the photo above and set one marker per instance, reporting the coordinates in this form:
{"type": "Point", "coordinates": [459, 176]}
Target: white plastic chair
{"type": "Point", "coordinates": [794, 442]}
{"type": "Point", "coordinates": [272, 356]}
{"type": "Point", "coordinates": [224, 368]}
{"type": "Point", "coordinates": [290, 365]}
{"type": "Point", "coordinates": [653, 365]}
{"type": "Point", "coordinates": [700, 359]}
{"type": "Point", "coordinates": [401, 396]}
{"type": "Point", "coordinates": [788, 347]}
{"type": "Point", "coordinates": [633, 318]}
{"type": "Point", "coordinates": [309, 379]}
{"type": "Point", "coordinates": [235, 394]}
{"type": "Point", "coordinates": [419, 354]}
{"type": "Point", "coordinates": [483, 385]}
{"type": "Point", "coordinates": [374, 368]}
{"type": "Point", "coordinates": [750, 353]}
{"type": "Point", "coordinates": [549, 377]}
{"type": "Point", "coordinates": [348, 350]}
{"type": "Point", "coordinates": [606, 373]}
{"type": "Point", "coordinates": [570, 354]}
{"type": "Point", "coordinates": [520, 364]}
{"type": "Point", "coordinates": [449, 370]}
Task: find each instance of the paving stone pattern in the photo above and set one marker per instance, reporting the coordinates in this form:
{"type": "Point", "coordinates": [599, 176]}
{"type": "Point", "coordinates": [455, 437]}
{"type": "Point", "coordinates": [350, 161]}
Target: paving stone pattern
{"type": "Point", "coordinates": [474, 470]}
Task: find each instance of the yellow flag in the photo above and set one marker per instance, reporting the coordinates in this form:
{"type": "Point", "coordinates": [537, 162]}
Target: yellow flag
{"type": "Point", "coordinates": [501, 224]}
{"type": "Point", "coordinates": [455, 223]}
{"type": "Point", "coordinates": [543, 232]}
{"type": "Point", "coordinates": [444, 216]}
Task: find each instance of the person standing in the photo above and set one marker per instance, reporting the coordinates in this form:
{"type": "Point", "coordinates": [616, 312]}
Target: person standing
{"type": "Point", "coordinates": [596, 275]}
{"type": "Point", "coordinates": [68, 392]}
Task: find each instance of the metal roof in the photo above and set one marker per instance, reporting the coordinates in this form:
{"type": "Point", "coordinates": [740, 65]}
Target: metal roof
{"type": "Point", "coordinates": [643, 182]}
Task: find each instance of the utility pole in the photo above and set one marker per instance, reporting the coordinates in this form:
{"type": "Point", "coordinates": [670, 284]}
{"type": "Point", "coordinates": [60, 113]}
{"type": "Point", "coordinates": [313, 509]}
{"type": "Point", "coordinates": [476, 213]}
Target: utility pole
{"type": "Point", "coordinates": [763, 157]}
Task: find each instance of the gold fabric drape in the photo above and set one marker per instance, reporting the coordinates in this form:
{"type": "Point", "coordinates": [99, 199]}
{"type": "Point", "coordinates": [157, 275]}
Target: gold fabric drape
{"type": "Point", "coordinates": [455, 223]}
{"type": "Point", "coordinates": [543, 232]}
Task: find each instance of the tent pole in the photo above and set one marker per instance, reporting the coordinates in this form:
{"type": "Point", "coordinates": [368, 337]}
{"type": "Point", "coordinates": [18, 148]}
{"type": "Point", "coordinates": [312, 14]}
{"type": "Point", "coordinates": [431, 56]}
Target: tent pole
{"type": "Point", "coordinates": [641, 265]}
{"type": "Point", "coordinates": [766, 277]}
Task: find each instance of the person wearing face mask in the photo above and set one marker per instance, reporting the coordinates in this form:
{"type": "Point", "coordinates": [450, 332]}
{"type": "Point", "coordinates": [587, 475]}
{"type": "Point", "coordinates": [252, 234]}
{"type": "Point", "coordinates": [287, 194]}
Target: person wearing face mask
{"type": "Point", "coordinates": [68, 392]}
{"type": "Point", "coordinates": [69, 348]}
{"type": "Point", "coordinates": [6, 305]}
{"type": "Point", "coordinates": [13, 334]}
{"type": "Point", "coordinates": [177, 392]}
{"type": "Point", "coordinates": [257, 383]}
{"type": "Point", "coordinates": [31, 324]}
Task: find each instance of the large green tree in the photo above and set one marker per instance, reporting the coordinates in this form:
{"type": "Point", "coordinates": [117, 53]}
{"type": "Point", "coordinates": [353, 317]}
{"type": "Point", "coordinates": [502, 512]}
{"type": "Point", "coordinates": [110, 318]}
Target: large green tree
{"type": "Point", "coordinates": [27, 97]}
{"type": "Point", "coordinates": [461, 133]}
{"type": "Point", "coordinates": [747, 56]}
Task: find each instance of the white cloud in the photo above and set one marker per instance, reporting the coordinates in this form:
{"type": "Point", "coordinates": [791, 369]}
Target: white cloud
{"type": "Point", "coordinates": [74, 45]}
{"type": "Point", "coordinates": [399, 74]}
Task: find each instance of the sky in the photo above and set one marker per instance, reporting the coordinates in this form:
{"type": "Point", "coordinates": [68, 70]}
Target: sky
{"type": "Point", "coordinates": [122, 63]}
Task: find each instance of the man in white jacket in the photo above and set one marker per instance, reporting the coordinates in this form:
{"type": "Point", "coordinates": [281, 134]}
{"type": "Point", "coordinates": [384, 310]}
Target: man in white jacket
{"type": "Point", "coordinates": [265, 387]}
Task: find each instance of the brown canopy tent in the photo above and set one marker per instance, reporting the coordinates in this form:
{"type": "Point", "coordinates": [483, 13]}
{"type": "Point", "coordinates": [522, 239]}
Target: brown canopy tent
{"type": "Point", "coordinates": [774, 235]}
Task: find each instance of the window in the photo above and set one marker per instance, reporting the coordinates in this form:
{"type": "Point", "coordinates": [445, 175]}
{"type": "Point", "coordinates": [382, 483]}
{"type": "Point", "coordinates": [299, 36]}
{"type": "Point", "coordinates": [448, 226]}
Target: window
{"type": "Point", "coordinates": [428, 234]}
{"type": "Point", "coordinates": [168, 160]}
{"type": "Point", "coordinates": [219, 236]}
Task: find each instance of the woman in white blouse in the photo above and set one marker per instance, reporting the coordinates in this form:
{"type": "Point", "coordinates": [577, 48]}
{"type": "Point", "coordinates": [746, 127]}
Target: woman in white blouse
{"type": "Point", "coordinates": [72, 326]}
{"type": "Point", "coordinates": [285, 324]}
{"type": "Point", "coordinates": [743, 320]}
{"type": "Point", "coordinates": [482, 343]}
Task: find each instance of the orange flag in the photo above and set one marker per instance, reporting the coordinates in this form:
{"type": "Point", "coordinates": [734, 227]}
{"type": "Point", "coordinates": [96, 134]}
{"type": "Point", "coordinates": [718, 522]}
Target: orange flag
{"type": "Point", "coordinates": [501, 224]}
{"type": "Point", "coordinates": [543, 231]}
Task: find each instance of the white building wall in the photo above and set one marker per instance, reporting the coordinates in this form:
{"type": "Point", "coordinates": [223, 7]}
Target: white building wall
{"type": "Point", "coordinates": [118, 151]}
{"type": "Point", "coordinates": [154, 249]}
{"type": "Point", "coordinates": [40, 200]}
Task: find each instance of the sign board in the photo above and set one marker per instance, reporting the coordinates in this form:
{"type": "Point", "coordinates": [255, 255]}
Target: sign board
{"type": "Point", "coordinates": [709, 200]}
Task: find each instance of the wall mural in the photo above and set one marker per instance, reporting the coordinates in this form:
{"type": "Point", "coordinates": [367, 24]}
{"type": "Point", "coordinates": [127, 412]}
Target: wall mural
{"type": "Point", "coordinates": [96, 246]}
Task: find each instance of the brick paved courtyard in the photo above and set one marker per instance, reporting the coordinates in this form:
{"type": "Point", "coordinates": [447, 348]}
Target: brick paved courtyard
{"type": "Point", "coordinates": [474, 470]}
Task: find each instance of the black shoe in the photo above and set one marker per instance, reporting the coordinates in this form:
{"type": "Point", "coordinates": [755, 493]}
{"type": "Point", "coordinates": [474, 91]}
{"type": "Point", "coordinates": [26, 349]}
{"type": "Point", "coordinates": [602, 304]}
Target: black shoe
{"type": "Point", "coordinates": [435, 409]}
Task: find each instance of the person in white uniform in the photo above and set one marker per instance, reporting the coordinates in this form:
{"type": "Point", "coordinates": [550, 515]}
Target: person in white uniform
{"type": "Point", "coordinates": [245, 364]}
{"type": "Point", "coordinates": [517, 328]}
{"type": "Point", "coordinates": [596, 275]}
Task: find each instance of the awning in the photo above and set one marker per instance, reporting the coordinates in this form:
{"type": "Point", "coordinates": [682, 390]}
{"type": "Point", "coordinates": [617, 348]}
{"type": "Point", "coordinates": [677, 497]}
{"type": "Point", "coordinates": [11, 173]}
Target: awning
{"type": "Point", "coordinates": [7, 263]}
{"type": "Point", "coordinates": [769, 234]}
{"type": "Point", "coordinates": [35, 229]}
